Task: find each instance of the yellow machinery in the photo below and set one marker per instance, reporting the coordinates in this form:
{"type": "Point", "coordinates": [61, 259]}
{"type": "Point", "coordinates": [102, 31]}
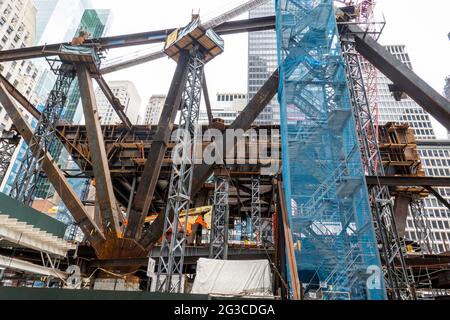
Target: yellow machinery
{"type": "Point", "coordinates": [200, 215]}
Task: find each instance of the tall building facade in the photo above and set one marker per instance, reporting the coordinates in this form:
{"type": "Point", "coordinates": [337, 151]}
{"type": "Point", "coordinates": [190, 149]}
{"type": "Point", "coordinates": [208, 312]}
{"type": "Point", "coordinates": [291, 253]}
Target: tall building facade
{"type": "Point", "coordinates": [435, 156]}
{"type": "Point", "coordinates": [262, 62]}
{"type": "Point", "coordinates": [227, 107]}
{"type": "Point", "coordinates": [405, 110]}
{"type": "Point", "coordinates": [57, 20]}
{"type": "Point", "coordinates": [154, 109]}
{"type": "Point", "coordinates": [126, 92]}
{"type": "Point", "coordinates": [97, 23]}
{"type": "Point", "coordinates": [17, 30]}
{"type": "Point", "coordinates": [447, 94]}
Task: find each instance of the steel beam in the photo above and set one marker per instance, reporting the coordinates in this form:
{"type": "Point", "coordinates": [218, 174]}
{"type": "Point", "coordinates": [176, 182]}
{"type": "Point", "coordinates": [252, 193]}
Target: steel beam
{"type": "Point", "coordinates": [54, 174]}
{"type": "Point", "coordinates": [159, 36]}
{"type": "Point", "coordinates": [246, 25]}
{"type": "Point", "coordinates": [438, 196]}
{"type": "Point", "coordinates": [207, 101]}
{"type": "Point", "coordinates": [203, 172]}
{"type": "Point", "coordinates": [17, 264]}
{"type": "Point", "coordinates": [115, 102]}
{"type": "Point", "coordinates": [152, 169]}
{"type": "Point", "coordinates": [103, 184]}
{"type": "Point", "coordinates": [132, 62]}
{"type": "Point", "coordinates": [20, 98]}
{"type": "Point", "coordinates": [409, 181]}
{"type": "Point", "coordinates": [403, 77]}
{"type": "Point", "coordinates": [244, 122]}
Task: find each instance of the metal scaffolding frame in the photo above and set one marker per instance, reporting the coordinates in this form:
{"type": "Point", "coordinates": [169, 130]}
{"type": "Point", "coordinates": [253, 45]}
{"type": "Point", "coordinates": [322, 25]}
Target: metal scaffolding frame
{"type": "Point", "coordinates": [422, 225]}
{"type": "Point", "coordinates": [256, 227]}
{"type": "Point", "coordinates": [171, 260]}
{"type": "Point", "coordinates": [44, 134]}
{"type": "Point", "coordinates": [398, 281]}
{"type": "Point", "coordinates": [322, 168]}
{"type": "Point", "coordinates": [9, 140]}
{"type": "Point", "coordinates": [219, 227]}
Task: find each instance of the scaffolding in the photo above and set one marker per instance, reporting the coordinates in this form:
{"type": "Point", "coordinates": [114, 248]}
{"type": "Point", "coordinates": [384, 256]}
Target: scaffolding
{"type": "Point", "coordinates": [221, 214]}
{"type": "Point", "coordinates": [171, 260]}
{"type": "Point", "coordinates": [322, 169]}
{"type": "Point", "coordinates": [9, 140]}
{"type": "Point", "coordinates": [44, 135]}
{"type": "Point", "coordinates": [256, 233]}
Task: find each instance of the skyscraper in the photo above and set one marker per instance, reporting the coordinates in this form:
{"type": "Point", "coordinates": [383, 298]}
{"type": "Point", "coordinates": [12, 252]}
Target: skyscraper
{"type": "Point", "coordinates": [405, 110]}
{"type": "Point", "coordinates": [262, 62]}
{"type": "Point", "coordinates": [126, 92]}
{"type": "Point", "coordinates": [227, 107]}
{"type": "Point", "coordinates": [435, 156]}
{"type": "Point", "coordinates": [97, 23]}
{"type": "Point", "coordinates": [17, 30]}
{"type": "Point", "coordinates": [57, 20]}
{"type": "Point", "coordinates": [154, 109]}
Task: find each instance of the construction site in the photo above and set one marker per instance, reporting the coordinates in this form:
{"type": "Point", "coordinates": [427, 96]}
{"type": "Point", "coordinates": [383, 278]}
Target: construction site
{"type": "Point", "coordinates": [321, 206]}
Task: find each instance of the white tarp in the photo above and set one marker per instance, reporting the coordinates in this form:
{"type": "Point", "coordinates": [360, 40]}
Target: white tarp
{"type": "Point", "coordinates": [224, 277]}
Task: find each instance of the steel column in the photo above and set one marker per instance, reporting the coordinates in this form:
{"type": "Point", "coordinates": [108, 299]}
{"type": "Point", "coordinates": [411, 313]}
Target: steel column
{"type": "Point", "coordinates": [398, 283]}
{"type": "Point", "coordinates": [103, 184]}
{"type": "Point", "coordinates": [207, 101]}
{"type": "Point", "coordinates": [422, 225]}
{"type": "Point", "coordinates": [152, 169]}
{"type": "Point", "coordinates": [221, 212]}
{"type": "Point", "coordinates": [256, 234]}
{"type": "Point", "coordinates": [171, 261]}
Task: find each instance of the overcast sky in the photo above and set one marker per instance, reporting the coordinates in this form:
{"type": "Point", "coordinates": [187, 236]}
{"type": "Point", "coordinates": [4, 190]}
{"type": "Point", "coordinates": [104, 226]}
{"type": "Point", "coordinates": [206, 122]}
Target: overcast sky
{"type": "Point", "coordinates": [423, 26]}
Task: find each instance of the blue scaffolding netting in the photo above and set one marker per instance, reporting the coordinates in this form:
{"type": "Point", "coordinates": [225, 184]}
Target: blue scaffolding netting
{"type": "Point", "coordinates": [328, 202]}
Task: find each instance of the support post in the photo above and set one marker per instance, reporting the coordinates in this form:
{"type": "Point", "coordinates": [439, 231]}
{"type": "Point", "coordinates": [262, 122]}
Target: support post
{"type": "Point", "coordinates": [207, 100]}
{"type": "Point", "coordinates": [171, 260]}
{"type": "Point", "coordinates": [219, 228]}
{"type": "Point", "coordinates": [152, 169]}
{"type": "Point", "coordinates": [256, 211]}
{"type": "Point", "coordinates": [105, 192]}
{"type": "Point", "coordinates": [398, 282]}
